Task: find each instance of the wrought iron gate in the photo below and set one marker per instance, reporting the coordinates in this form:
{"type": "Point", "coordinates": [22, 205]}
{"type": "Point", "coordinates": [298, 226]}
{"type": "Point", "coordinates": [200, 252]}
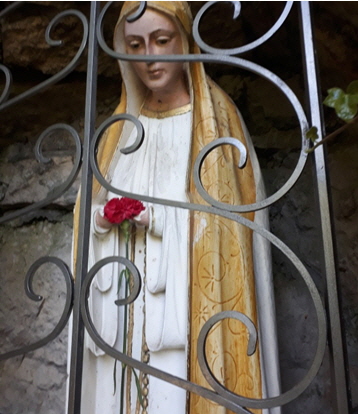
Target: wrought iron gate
{"type": "Point", "coordinates": [76, 301]}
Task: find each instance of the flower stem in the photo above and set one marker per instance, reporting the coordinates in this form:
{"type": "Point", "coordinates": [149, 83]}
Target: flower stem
{"type": "Point", "coordinates": [124, 345]}
{"type": "Point", "coordinates": [124, 366]}
{"type": "Point", "coordinates": [125, 229]}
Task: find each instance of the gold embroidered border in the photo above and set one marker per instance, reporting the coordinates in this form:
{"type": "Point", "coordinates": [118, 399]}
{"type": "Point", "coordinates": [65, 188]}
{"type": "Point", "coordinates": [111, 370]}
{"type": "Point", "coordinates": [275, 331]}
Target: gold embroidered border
{"type": "Point", "coordinates": [166, 114]}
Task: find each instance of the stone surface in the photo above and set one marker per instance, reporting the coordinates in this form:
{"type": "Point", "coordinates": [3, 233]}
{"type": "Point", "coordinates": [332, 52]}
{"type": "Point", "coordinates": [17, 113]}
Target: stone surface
{"type": "Point", "coordinates": [26, 181]}
{"type": "Point", "coordinates": [343, 168]}
{"type": "Point", "coordinates": [25, 44]}
{"type": "Point", "coordinates": [36, 381]}
{"type": "Point", "coordinates": [294, 219]}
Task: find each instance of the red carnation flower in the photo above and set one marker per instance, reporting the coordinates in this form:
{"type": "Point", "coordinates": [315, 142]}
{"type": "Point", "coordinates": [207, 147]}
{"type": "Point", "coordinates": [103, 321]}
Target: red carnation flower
{"type": "Point", "coordinates": [119, 209]}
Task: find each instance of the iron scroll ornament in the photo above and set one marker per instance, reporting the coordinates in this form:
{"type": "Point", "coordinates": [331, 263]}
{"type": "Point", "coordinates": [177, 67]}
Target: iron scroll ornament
{"type": "Point", "coordinates": [239, 63]}
{"type": "Point", "coordinates": [55, 192]}
{"type": "Point", "coordinates": [8, 82]}
{"type": "Point", "coordinates": [33, 296]}
{"type": "Point", "coordinates": [222, 395]}
{"type": "Point", "coordinates": [237, 9]}
{"type": "Point", "coordinates": [58, 76]}
{"type": "Point", "coordinates": [10, 8]}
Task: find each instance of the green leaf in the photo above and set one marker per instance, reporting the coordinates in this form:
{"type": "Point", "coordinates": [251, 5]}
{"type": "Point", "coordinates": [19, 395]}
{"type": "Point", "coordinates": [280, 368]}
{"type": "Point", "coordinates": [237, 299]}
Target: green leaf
{"type": "Point", "coordinates": [312, 134]}
{"type": "Point", "coordinates": [334, 94]}
{"type": "Point", "coordinates": [139, 391]}
{"type": "Point", "coordinates": [352, 88]}
{"type": "Point", "coordinates": [345, 104]}
{"type": "Point", "coordinates": [123, 272]}
{"type": "Point", "coordinates": [354, 98]}
{"type": "Point", "coordinates": [346, 108]}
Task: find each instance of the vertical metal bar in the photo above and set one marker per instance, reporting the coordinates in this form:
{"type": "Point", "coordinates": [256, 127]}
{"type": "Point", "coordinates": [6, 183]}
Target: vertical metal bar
{"type": "Point", "coordinates": [75, 380]}
{"type": "Point", "coordinates": [336, 339]}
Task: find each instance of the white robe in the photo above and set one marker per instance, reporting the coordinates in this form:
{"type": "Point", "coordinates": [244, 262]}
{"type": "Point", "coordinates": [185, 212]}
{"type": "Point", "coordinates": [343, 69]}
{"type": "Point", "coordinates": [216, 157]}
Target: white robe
{"type": "Point", "coordinates": [158, 169]}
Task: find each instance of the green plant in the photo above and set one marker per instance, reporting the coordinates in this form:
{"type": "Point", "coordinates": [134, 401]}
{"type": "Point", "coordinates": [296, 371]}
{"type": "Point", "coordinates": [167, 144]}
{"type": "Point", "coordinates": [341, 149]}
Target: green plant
{"type": "Point", "coordinates": [346, 106]}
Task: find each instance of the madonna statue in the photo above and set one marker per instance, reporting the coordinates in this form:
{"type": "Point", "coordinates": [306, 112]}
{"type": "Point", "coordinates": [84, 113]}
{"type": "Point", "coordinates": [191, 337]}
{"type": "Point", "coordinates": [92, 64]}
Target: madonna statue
{"type": "Point", "coordinates": [193, 265]}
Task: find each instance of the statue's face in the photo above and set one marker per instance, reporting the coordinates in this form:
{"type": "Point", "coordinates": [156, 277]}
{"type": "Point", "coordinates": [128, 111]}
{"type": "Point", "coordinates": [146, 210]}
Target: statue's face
{"type": "Point", "coordinates": [155, 34]}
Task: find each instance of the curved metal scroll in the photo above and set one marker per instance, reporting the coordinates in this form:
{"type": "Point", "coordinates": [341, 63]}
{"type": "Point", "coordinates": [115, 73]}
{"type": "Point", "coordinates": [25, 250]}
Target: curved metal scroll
{"type": "Point", "coordinates": [107, 123]}
{"type": "Point", "coordinates": [136, 279]}
{"type": "Point", "coordinates": [59, 190]}
{"type": "Point", "coordinates": [123, 357]}
{"type": "Point", "coordinates": [243, 64]}
{"type": "Point", "coordinates": [221, 395]}
{"type": "Point", "coordinates": [241, 49]}
{"type": "Point", "coordinates": [33, 296]}
{"type": "Point", "coordinates": [64, 72]}
{"type": "Point", "coordinates": [8, 82]}
{"type": "Point", "coordinates": [137, 14]}
{"type": "Point", "coordinates": [199, 162]}
{"type": "Point", "coordinates": [10, 8]}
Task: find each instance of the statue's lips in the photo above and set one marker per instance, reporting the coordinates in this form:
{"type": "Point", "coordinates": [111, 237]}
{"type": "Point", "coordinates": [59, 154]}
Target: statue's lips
{"type": "Point", "coordinates": [155, 74]}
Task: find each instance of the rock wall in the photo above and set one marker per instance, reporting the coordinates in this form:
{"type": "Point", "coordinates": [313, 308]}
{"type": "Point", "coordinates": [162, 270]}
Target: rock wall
{"type": "Point", "coordinates": [35, 382]}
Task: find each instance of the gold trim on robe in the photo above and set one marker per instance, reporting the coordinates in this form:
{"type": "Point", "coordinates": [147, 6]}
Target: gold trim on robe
{"type": "Point", "coordinates": [166, 114]}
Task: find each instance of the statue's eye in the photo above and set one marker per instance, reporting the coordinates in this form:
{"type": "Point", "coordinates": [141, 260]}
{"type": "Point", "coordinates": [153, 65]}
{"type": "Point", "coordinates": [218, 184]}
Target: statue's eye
{"type": "Point", "coordinates": [134, 45]}
{"type": "Point", "coordinates": [163, 40]}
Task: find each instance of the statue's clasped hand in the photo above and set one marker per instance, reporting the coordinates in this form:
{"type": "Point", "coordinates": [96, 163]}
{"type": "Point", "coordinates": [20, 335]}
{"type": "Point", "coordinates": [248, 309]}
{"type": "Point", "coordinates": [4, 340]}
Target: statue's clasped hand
{"type": "Point", "coordinates": [118, 210]}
